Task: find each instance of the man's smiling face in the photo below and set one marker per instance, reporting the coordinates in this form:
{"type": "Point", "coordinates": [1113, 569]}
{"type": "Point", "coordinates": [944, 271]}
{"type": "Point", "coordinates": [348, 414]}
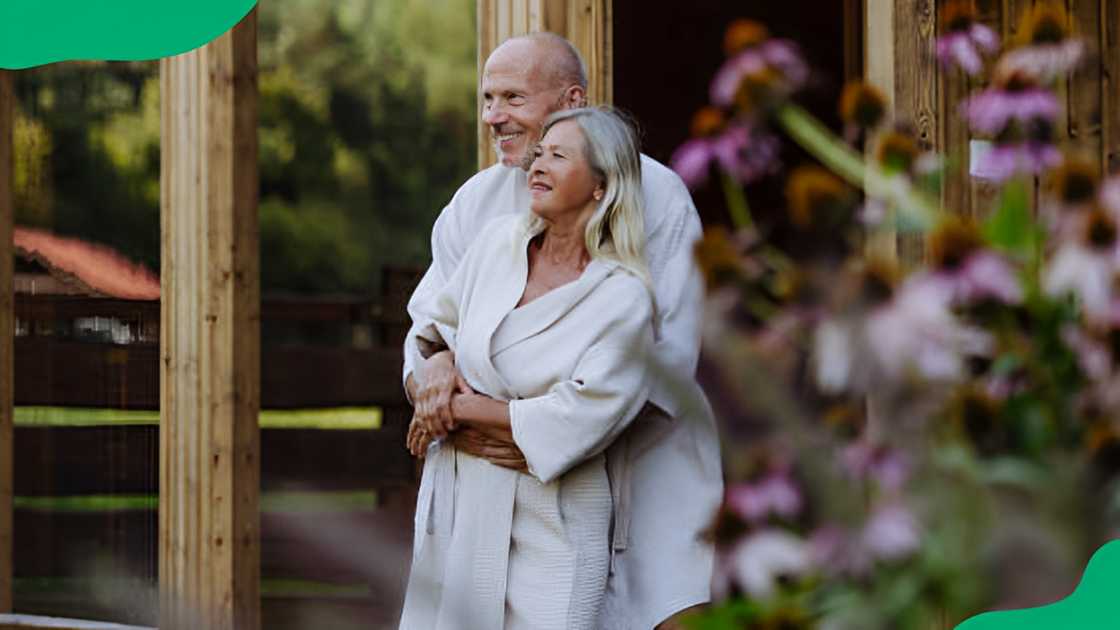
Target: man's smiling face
{"type": "Point", "coordinates": [517, 98]}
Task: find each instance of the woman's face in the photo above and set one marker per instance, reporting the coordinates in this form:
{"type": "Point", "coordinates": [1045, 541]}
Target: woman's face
{"type": "Point", "coordinates": [561, 181]}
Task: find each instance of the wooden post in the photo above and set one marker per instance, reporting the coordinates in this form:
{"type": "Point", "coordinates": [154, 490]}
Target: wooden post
{"type": "Point", "coordinates": [7, 334]}
{"type": "Point", "coordinates": [899, 60]}
{"type": "Point", "coordinates": [209, 524]}
{"type": "Point", "coordinates": [586, 23]}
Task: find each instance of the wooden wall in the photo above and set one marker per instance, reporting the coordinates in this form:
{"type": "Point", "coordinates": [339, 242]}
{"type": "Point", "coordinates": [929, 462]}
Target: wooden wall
{"type": "Point", "coordinates": [587, 23]}
{"type": "Point", "coordinates": [900, 39]}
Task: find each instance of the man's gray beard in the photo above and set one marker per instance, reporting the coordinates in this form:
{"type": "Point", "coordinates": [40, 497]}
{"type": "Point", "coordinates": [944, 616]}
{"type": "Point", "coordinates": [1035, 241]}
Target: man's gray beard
{"type": "Point", "coordinates": [524, 163]}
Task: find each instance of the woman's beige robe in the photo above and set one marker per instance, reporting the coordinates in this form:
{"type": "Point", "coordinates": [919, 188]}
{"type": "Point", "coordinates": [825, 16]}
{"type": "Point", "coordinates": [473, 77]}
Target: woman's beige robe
{"type": "Point", "coordinates": [573, 365]}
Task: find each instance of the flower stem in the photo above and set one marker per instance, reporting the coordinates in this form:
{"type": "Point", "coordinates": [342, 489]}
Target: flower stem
{"type": "Point", "coordinates": [819, 141]}
{"type": "Point", "coordinates": [736, 202]}
{"type": "Point", "coordinates": [914, 208]}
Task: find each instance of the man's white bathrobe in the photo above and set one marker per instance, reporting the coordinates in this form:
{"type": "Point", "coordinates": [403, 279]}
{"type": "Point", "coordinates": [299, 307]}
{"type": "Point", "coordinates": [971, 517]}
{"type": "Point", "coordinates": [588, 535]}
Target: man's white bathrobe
{"type": "Point", "coordinates": [495, 548]}
{"type": "Point", "coordinates": [660, 564]}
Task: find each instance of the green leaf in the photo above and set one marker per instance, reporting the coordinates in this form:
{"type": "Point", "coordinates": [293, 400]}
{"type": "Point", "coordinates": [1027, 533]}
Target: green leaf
{"type": "Point", "coordinates": [1011, 228]}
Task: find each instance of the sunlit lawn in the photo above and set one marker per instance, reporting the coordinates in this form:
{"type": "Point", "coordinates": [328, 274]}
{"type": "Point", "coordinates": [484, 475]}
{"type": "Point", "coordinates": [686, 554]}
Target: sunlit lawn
{"type": "Point", "coordinates": [332, 418]}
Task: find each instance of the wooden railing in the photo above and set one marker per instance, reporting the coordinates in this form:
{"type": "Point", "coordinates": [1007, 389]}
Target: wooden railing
{"type": "Point", "coordinates": [339, 567]}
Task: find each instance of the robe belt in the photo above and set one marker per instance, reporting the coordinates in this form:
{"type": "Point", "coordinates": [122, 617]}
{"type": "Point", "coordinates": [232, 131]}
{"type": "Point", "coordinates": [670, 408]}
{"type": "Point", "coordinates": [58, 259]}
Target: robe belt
{"type": "Point", "coordinates": [618, 471]}
{"type": "Point", "coordinates": [439, 492]}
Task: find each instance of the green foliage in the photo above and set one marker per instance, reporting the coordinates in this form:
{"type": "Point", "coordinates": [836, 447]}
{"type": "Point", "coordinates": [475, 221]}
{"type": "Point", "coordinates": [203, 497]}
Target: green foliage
{"type": "Point", "coordinates": [1011, 228]}
{"type": "Point", "coordinates": [366, 128]}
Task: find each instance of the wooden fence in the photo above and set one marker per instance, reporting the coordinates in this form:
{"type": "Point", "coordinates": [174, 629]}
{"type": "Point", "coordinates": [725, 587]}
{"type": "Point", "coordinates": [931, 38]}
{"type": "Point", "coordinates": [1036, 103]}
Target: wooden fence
{"type": "Point", "coordinates": [336, 567]}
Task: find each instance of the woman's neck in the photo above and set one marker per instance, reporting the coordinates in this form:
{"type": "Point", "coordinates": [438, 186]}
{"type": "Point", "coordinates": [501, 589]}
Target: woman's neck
{"type": "Point", "coordinates": [562, 243]}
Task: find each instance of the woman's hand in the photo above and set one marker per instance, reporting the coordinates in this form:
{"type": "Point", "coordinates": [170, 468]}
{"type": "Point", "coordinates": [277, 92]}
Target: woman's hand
{"type": "Point", "coordinates": [438, 380]}
{"type": "Point", "coordinates": [418, 438]}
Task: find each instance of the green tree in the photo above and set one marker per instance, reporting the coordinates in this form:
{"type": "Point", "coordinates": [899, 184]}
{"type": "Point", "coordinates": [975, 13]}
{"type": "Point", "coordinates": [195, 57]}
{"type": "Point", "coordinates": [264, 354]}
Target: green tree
{"type": "Point", "coordinates": [367, 126]}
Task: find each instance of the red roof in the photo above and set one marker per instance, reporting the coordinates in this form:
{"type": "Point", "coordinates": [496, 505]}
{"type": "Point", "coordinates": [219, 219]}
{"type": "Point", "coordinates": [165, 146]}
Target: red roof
{"type": "Point", "coordinates": [99, 267]}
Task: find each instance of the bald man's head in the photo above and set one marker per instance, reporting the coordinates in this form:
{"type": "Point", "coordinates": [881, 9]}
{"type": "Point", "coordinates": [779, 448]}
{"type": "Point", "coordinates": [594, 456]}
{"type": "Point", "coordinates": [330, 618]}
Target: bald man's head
{"type": "Point", "coordinates": [557, 60]}
{"type": "Point", "coordinates": [525, 79]}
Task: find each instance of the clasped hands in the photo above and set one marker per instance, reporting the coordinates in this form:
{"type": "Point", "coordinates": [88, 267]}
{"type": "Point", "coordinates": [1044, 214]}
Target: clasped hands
{"type": "Point", "coordinates": [439, 392]}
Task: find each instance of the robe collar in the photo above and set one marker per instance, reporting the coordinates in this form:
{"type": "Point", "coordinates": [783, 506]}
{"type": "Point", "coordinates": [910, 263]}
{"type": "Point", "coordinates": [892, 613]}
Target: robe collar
{"type": "Point", "coordinates": [491, 336]}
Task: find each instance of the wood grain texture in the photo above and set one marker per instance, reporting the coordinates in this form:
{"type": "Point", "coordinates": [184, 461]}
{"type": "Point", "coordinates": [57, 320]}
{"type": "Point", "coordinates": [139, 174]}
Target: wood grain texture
{"type": "Point", "coordinates": [586, 23]}
{"type": "Point", "coordinates": [953, 139]}
{"type": "Point", "coordinates": [1084, 85]}
{"type": "Point", "coordinates": [1110, 85]}
{"type": "Point", "coordinates": [210, 337]}
{"type": "Point", "coordinates": [916, 92]}
{"type": "Point", "coordinates": [7, 334]}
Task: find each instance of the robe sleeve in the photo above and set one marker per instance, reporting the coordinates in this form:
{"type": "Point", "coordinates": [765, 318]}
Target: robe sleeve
{"type": "Point", "coordinates": [449, 246]}
{"type": "Point", "coordinates": [679, 287]}
{"type": "Point", "coordinates": [580, 417]}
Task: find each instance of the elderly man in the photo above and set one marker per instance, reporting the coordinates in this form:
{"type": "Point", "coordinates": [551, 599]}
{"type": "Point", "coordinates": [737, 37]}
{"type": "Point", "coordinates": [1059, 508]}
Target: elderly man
{"type": "Point", "coordinates": [661, 563]}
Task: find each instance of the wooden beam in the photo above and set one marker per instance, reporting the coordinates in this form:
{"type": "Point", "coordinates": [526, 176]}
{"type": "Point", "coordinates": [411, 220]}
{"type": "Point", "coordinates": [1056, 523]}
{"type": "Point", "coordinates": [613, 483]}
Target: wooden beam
{"type": "Point", "coordinates": [7, 335]}
{"type": "Point", "coordinates": [586, 23]}
{"type": "Point", "coordinates": [209, 524]}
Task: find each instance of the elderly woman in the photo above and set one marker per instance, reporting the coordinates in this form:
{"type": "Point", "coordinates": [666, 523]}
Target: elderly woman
{"type": "Point", "coordinates": [549, 318]}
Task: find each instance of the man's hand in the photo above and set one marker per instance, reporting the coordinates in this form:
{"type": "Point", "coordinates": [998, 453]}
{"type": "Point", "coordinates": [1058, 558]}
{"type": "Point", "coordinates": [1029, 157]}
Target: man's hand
{"type": "Point", "coordinates": [437, 380]}
{"type": "Point", "coordinates": [418, 439]}
{"type": "Point", "coordinates": [495, 445]}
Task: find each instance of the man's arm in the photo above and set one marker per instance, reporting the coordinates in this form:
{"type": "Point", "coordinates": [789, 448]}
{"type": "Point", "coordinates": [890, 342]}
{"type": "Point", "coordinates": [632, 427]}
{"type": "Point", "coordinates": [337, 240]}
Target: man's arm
{"type": "Point", "coordinates": [430, 382]}
{"type": "Point", "coordinates": [679, 287]}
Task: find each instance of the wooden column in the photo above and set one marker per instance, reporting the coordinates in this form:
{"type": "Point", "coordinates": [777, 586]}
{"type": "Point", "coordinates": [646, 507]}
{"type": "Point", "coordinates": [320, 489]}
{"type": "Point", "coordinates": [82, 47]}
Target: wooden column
{"type": "Point", "coordinates": [586, 23]}
{"type": "Point", "coordinates": [209, 551]}
{"type": "Point", "coordinates": [899, 59]}
{"type": "Point", "coordinates": [7, 334]}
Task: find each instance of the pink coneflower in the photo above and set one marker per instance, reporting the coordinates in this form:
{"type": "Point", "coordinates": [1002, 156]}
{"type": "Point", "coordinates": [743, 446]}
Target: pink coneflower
{"type": "Point", "coordinates": [1046, 49]}
{"type": "Point", "coordinates": [1071, 191]}
{"type": "Point", "coordinates": [1110, 195]}
{"type": "Point", "coordinates": [1088, 268]}
{"type": "Point", "coordinates": [890, 533]}
{"type": "Point", "coordinates": [968, 271]}
{"type": "Point", "coordinates": [1004, 161]}
{"type": "Point", "coordinates": [918, 336]}
{"type": "Point", "coordinates": [742, 151]}
{"type": "Point", "coordinates": [913, 336]}
{"type": "Point", "coordinates": [1094, 357]}
{"type": "Point", "coordinates": [774, 65]}
{"type": "Point", "coordinates": [887, 467]}
{"type": "Point", "coordinates": [994, 109]}
{"type": "Point", "coordinates": [1045, 63]}
{"type": "Point", "coordinates": [982, 276]}
{"type": "Point", "coordinates": [758, 562]}
{"type": "Point", "coordinates": [1020, 116]}
{"type": "Point", "coordinates": [775, 494]}
{"type": "Point", "coordinates": [964, 40]}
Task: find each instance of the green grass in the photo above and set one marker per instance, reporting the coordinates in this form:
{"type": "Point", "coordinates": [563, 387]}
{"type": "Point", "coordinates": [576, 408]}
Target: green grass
{"type": "Point", "coordinates": [307, 502]}
{"type": "Point", "coordinates": [332, 418]}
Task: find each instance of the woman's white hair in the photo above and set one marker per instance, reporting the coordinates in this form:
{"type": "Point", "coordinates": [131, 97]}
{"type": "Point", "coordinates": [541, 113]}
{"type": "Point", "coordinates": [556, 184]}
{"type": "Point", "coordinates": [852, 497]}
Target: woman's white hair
{"type": "Point", "coordinates": [616, 231]}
